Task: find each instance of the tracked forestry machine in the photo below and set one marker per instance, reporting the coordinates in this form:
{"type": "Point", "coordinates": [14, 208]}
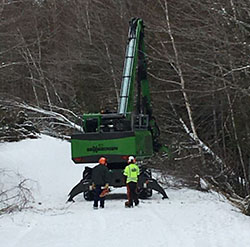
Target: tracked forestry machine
{"type": "Point", "coordinates": [132, 130]}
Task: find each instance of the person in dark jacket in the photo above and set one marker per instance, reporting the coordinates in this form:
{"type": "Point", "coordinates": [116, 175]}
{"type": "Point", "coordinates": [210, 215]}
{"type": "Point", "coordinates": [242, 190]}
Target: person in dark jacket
{"type": "Point", "coordinates": [131, 173]}
{"type": "Point", "coordinates": [100, 178]}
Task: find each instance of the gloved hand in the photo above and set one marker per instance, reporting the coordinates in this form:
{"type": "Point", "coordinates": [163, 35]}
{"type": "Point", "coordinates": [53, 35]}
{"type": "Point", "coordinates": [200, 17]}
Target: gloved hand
{"type": "Point", "coordinates": [106, 186]}
{"type": "Point", "coordinates": [92, 187]}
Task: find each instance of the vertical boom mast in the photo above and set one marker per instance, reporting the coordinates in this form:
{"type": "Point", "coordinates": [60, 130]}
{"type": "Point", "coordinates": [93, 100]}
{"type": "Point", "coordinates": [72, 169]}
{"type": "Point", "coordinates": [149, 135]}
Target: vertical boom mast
{"type": "Point", "coordinates": [135, 39]}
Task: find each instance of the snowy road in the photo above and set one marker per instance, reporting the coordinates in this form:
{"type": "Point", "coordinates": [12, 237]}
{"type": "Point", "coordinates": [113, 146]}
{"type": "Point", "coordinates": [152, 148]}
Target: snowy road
{"type": "Point", "coordinates": [190, 218]}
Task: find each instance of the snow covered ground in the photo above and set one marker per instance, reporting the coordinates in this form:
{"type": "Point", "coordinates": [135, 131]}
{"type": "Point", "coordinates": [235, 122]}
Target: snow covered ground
{"type": "Point", "coordinates": [189, 219]}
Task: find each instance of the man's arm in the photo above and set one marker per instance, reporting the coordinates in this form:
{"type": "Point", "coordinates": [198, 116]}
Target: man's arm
{"type": "Point", "coordinates": [125, 174]}
{"type": "Point", "coordinates": [138, 170]}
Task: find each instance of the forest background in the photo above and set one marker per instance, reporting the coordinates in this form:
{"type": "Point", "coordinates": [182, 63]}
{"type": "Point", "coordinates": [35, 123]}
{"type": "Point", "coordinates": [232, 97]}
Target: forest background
{"type": "Point", "coordinates": [62, 58]}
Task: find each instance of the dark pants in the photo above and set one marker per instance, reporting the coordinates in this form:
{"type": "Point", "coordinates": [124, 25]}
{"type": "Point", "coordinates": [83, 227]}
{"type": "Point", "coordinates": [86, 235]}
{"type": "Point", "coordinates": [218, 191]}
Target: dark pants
{"type": "Point", "coordinates": [97, 192]}
{"type": "Point", "coordinates": [132, 194]}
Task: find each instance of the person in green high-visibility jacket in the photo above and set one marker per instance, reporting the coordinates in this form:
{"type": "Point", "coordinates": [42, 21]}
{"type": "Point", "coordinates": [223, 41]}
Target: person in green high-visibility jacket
{"type": "Point", "coordinates": [131, 173]}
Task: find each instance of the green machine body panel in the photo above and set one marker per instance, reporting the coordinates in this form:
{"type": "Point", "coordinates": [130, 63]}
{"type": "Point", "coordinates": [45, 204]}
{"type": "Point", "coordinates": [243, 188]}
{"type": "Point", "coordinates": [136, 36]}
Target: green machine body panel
{"type": "Point", "coordinates": [116, 146]}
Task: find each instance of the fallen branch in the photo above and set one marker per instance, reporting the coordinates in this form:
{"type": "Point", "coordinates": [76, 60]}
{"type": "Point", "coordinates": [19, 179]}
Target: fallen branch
{"type": "Point", "coordinates": [226, 190]}
{"type": "Point", "coordinates": [14, 197]}
{"type": "Point", "coordinates": [59, 117]}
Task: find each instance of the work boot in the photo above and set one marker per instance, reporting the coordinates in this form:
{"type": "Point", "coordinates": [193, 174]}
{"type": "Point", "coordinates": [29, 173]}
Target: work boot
{"type": "Point", "coordinates": [128, 204]}
{"type": "Point", "coordinates": [136, 203]}
{"type": "Point", "coordinates": [95, 206]}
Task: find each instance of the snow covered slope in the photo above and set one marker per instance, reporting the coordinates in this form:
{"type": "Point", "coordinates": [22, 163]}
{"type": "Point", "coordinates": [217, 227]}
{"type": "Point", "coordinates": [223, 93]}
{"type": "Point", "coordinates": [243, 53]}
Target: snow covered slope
{"type": "Point", "coordinates": [190, 218]}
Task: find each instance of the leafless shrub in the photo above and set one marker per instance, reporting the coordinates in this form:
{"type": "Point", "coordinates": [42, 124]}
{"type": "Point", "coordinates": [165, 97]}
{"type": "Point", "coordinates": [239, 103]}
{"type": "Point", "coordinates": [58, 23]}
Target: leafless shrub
{"type": "Point", "coordinates": [15, 192]}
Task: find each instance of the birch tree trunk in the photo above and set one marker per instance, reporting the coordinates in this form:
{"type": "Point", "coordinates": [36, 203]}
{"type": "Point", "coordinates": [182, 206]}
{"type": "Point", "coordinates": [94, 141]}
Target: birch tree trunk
{"type": "Point", "coordinates": [182, 80]}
